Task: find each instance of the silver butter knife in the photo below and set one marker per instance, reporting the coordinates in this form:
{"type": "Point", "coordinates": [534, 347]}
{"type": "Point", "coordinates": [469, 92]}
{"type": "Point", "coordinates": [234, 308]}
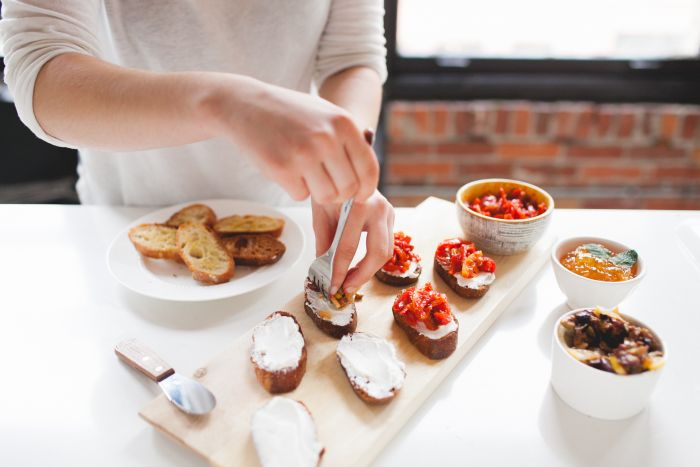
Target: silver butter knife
{"type": "Point", "coordinates": [185, 393]}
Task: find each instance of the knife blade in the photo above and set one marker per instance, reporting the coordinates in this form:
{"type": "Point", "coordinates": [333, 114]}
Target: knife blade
{"type": "Point", "coordinates": [188, 395]}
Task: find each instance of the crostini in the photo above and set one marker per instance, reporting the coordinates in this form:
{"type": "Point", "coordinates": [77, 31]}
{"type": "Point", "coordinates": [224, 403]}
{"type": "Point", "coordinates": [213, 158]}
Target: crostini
{"type": "Point", "coordinates": [335, 316]}
{"type": "Point", "coordinates": [249, 224]}
{"type": "Point", "coordinates": [203, 253]}
{"type": "Point", "coordinates": [155, 241]}
{"type": "Point", "coordinates": [198, 213]}
{"type": "Point", "coordinates": [425, 316]}
{"type": "Point", "coordinates": [284, 433]}
{"type": "Point", "coordinates": [404, 267]}
{"type": "Point", "coordinates": [464, 268]}
{"type": "Point", "coordinates": [370, 363]}
{"type": "Point", "coordinates": [254, 250]}
{"type": "Point", "coordinates": [278, 353]}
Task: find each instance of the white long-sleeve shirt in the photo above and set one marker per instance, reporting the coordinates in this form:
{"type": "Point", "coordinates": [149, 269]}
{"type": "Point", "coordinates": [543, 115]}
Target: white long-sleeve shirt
{"type": "Point", "coordinates": [291, 43]}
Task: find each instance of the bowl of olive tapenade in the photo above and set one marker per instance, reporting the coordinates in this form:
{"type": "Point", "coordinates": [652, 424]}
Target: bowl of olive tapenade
{"type": "Point", "coordinates": [605, 364]}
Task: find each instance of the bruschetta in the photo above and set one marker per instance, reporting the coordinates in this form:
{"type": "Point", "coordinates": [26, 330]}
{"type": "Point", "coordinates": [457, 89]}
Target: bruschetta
{"type": "Point", "coordinates": [335, 316]}
{"type": "Point", "coordinates": [464, 268]}
{"type": "Point", "coordinates": [278, 353]}
{"type": "Point", "coordinates": [156, 241]}
{"type": "Point", "coordinates": [284, 433]}
{"type": "Point", "coordinates": [202, 252]}
{"type": "Point", "coordinates": [425, 316]}
{"type": "Point", "coordinates": [370, 363]}
{"type": "Point", "coordinates": [198, 213]}
{"type": "Point", "coordinates": [404, 267]}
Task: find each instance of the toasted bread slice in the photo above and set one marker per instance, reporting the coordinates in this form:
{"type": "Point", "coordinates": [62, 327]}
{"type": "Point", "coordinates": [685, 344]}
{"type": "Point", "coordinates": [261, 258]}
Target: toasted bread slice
{"type": "Point", "coordinates": [249, 224]}
{"type": "Point", "coordinates": [435, 348]}
{"type": "Point", "coordinates": [284, 433]}
{"type": "Point", "coordinates": [393, 279]}
{"type": "Point", "coordinates": [254, 250]}
{"type": "Point", "coordinates": [155, 241]}
{"type": "Point", "coordinates": [336, 322]}
{"type": "Point", "coordinates": [198, 213]}
{"type": "Point", "coordinates": [466, 292]}
{"type": "Point", "coordinates": [203, 253]}
{"type": "Point", "coordinates": [278, 353]}
{"type": "Point", "coordinates": [373, 370]}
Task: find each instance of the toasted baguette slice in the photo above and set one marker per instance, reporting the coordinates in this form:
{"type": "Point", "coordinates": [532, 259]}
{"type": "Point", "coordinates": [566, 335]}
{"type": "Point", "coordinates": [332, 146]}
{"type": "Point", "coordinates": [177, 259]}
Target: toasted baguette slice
{"type": "Point", "coordinates": [329, 319]}
{"type": "Point", "coordinates": [466, 292]}
{"type": "Point", "coordinates": [373, 370]}
{"type": "Point", "coordinates": [284, 433]}
{"type": "Point", "coordinates": [435, 349]}
{"type": "Point", "coordinates": [393, 279]}
{"type": "Point", "coordinates": [254, 250]}
{"type": "Point", "coordinates": [249, 224]}
{"type": "Point", "coordinates": [203, 253]}
{"type": "Point", "coordinates": [155, 241]}
{"type": "Point", "coordinates": [278, 353]}
{"type": "Point", "coordinates": [198, 213]}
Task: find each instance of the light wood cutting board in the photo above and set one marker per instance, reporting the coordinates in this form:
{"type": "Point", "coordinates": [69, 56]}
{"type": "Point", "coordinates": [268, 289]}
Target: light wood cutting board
{"type": "Point", "coordinates": [352, 432]}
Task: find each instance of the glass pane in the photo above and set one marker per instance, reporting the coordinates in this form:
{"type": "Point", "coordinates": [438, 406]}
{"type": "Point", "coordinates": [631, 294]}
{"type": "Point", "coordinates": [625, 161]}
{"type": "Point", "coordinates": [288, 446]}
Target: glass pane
{"type": "Point", "coordinates": [594, 29]}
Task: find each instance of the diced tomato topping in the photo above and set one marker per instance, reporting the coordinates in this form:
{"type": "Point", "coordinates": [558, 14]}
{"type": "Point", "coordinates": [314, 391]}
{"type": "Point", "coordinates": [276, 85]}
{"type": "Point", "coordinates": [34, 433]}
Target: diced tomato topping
{"type": "Point", "coordinates": [403, 254]}
{"type": "Point", "coordinates": [423, 305]}
{"type": "Point", "coordinates": [458, 255]}
{"type": "Point", "coordinates": [515, 204]}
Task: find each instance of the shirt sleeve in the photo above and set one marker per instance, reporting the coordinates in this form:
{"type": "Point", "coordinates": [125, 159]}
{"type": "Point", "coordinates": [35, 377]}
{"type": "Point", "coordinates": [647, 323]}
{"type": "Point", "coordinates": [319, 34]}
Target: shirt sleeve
{"type": "Point", "coordinates": [354, 36]}
{"type": "Point", "coordinates": [32, 32]}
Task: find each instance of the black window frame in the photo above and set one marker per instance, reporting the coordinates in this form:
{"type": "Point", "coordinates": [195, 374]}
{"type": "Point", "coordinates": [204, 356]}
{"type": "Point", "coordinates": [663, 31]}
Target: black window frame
{"type": "Point", "coordinates": [618, 81]}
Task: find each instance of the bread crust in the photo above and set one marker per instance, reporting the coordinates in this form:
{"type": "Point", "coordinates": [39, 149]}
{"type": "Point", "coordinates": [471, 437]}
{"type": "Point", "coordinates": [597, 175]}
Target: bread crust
{"type": "Point", "coordinates": [391, 279]}
{"type": "Point", "coordinates": [198, 274]}
{"type": "Point", "coordinates": [231, 225]}
{"type": "Point", "coordinates": [278, 382]}
{"type": "Point", "coordinates": [327, 326]}
{"type": "Point", "coordinates": [193, 213]}
{"type": "Point", "coordinates": [150, 252]}
{"type": "Point", "coordinates": [246, 256]}
{"type": "Point", "coordinates": [451, 281]}
{"type": "Point", "coordinates": [435, 349]}
{"type": "Point", "coordinates": [362, 394]}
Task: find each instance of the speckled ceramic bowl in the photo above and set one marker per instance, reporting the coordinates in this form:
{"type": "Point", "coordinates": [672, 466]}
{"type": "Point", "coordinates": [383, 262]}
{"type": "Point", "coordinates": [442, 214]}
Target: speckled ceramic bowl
{"type": "Point", "coordinates": [502, 236]}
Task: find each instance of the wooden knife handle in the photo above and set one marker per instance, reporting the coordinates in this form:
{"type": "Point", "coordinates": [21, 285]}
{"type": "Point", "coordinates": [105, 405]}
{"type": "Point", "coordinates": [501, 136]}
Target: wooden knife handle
{"type": "Point", "coordinates": [138, 356]}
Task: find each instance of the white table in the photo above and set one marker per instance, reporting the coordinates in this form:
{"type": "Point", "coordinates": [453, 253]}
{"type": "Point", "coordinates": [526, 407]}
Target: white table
{"type": "Point", "coordinates": [66, 400]}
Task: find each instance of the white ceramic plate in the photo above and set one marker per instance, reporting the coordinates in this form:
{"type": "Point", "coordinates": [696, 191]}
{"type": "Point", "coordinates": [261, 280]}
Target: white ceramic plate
{"type": "Point", "coordinates": [169, 280]}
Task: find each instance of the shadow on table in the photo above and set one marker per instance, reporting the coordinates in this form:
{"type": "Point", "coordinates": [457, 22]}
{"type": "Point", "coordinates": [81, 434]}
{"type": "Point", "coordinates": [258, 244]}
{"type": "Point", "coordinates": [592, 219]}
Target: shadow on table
{"type": "Point", "coordinates": [544, 335]}
{"type": "Point", "coordinates": [579, 440]}
{"type": "Point", "coordinates": [188, 315]}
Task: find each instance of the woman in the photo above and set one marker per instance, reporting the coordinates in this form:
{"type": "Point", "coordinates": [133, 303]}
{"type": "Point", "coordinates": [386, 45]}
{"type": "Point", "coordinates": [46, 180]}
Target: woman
{"type": "Point", "coordinates": [171, 101]}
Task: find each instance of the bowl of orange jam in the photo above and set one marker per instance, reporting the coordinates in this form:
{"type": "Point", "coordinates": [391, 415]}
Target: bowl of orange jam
{"type": "Point", "coordinates": [593, 271]}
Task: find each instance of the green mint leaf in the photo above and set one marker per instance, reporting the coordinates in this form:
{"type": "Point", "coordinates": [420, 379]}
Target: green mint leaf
{"type": "Point", "coordinates": [598, 250]}
{"type": "Point", "coordinates": [626, 259]}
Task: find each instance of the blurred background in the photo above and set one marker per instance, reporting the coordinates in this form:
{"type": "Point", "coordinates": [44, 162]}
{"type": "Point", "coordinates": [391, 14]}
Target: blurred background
{"type": "Point", "coordinates": [598, 102]}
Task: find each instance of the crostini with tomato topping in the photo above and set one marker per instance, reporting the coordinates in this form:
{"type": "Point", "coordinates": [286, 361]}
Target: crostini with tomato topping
{"type": "Point", "coordinates": [425, 316]}
{"type": "Point", "coordinates": [464, 268]}
{"type": "Point", "coordinates": [404, 267]}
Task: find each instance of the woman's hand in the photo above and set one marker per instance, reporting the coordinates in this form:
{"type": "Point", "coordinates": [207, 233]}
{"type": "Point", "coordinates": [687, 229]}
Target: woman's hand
{"type": "Point", "coordinates": [374, 216]}
{"type": "Point", "coordinates": [304, 143]}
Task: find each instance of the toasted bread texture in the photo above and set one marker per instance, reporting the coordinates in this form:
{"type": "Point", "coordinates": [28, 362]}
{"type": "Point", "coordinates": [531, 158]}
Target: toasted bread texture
{"type": "Point", "coordinates": [155, 241]}
{"type": "Point", "coordinates": [249, 224]}
{"type": "Point", "coordinates": [435, 349]}
{"type": "Point", "coordinates": [254, 250]}
{"type": "Point", "coordinates": [321, 313]}
{"type": "Point", "coordinates": [391, 279]}
{"type": "Point", "coordinates": [450, 280]}
{"type": "Point", "coordinates": [288, 378]}
{"type": "Point", "coordinates": [197, 213]}
{"type": "Point", "coordinates": [202, 252]}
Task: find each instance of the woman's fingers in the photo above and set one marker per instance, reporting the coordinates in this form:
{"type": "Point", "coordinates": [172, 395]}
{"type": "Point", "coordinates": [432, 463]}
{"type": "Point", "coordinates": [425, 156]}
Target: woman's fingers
{"type": "Point", "coordinates": [324, 223]}
{"type": "Point", "coordinates": [344, 177]}
{"type": "Point", "coordinates": [347, 247]}
{"type": "Point", "coordinates": [378, 252]}
{"type": "Point", "coordinates": [363, 159]}
{"type": "Point", "coordinates": [320, 184]}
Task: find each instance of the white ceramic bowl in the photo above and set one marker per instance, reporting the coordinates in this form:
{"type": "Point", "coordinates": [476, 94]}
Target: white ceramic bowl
{"type": "Point", "coordinates": [502, 236]}
{"type": "Point", "coordinates": [581, 291]}
{"type": "Point", "coordinates": [595, 392]}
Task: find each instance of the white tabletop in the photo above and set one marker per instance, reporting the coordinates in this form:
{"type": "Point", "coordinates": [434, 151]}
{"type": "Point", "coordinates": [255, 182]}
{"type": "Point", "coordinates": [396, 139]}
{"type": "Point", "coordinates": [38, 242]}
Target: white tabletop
{"type": "Point", "coordinates": [66, 400]}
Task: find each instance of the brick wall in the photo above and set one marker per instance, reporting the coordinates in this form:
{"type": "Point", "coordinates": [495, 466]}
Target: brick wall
{"type": "Point", "coordinates": [586, 155]}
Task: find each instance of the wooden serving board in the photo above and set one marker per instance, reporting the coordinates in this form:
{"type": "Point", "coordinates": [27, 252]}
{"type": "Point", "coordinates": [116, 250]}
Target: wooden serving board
{"type": "Point", "coordinates": [352, 432]}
